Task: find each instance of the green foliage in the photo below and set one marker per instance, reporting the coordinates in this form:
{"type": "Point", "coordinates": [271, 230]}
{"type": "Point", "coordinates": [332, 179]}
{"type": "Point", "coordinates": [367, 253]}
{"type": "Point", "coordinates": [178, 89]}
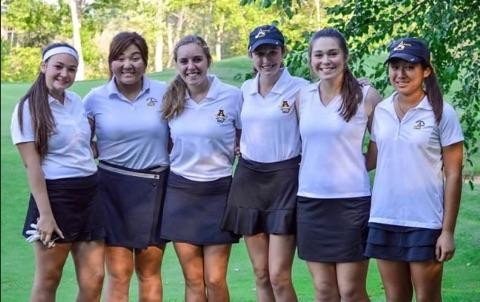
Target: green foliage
{"type": "Point", "coordinates": [22, 64]}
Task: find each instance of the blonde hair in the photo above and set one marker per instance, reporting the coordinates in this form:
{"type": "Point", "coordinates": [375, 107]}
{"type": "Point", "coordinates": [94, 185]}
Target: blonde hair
{"type": "Point", "coordinates": [174, 98]}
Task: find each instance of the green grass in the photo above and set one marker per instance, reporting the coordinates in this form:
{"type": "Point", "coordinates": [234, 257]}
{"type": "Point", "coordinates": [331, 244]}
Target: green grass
{"type": "Point", "coordinates": [461, 276]}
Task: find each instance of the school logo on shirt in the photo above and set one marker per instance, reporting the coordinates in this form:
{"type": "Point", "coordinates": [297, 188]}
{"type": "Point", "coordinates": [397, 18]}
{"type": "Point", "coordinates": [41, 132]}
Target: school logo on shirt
{"type": "Point", "coordinates": [151, 102]}
{"type": "Point", "coordinates": [285, 107]}
{"type": "Point", "coordinates": [419, 124]}
{"type": "Point", "coordinates": [220, 116]}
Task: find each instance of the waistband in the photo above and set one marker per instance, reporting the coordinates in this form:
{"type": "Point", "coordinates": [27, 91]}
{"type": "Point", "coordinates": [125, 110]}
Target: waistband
{"type": "Point", "coordinates": [154, 173]}
{"type": "Point", "coordinates": [270, 167]}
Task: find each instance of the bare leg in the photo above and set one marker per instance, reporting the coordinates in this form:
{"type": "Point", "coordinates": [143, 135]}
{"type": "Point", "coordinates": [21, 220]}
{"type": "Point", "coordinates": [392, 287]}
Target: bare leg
{"type": "Point", "coordinates": [215, 268]}
{"type": "Point", "coordinates": [148, 264]}
{"type": "Point", "coordinates": [352, 280]}
{"type": "Point", "coordinates": [427, 280]}
{"type": "Point", "coordinates": [396, 280]}
{"type": "Point", "coordinates": [89, 259]}
{"type": "Point", "coordinates": [48, 270]}
{"type": "Point", "coordinates": [257, 246]}
{"type": "Point", "coordinates": [119, 262]}
{"type": "Point", "coordinates": [325, 281]}
{"type": "Point", "coordinates": [191, 260]}
{"type": "Point", "coordinates": [280, 260]}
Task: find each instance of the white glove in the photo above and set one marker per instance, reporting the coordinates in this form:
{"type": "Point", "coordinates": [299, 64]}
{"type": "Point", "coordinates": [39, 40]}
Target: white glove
{"type": "Point", "coordinates": [34, 234]}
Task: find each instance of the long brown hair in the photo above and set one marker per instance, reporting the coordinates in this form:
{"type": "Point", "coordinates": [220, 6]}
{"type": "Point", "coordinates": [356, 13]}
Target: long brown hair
{"type": "Point", "coordinates": [434, 93]}
{"type": "Point", "coordinates": [351, 91]}
{"type": "Point", "coordinates": [174, 98]}
{"type": "Point", "coordinates": [43, 122]}
{"type": "Point", "coordinates": [121, 42]}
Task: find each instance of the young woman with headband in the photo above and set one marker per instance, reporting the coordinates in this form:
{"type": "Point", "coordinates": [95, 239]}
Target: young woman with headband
{"type": "Point", "coordinates": [51, 131]}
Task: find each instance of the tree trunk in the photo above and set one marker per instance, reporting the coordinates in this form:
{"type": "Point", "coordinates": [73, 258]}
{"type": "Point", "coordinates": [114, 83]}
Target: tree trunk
{"type": "Point", "coordinates": [77, 43]}
{"type": "Point", "coordinates": [159, 36]}
{"type": "Point", "coordinates": [219, 38]}
{"type": "Point", "coordinates": [317, 5]}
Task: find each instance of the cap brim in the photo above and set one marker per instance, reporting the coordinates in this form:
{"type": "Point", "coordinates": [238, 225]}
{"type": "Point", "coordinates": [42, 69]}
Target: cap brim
{"type": "Point", "coordinates": [404, 56]}
{"type": "Point", "coordinates": [262, 42]}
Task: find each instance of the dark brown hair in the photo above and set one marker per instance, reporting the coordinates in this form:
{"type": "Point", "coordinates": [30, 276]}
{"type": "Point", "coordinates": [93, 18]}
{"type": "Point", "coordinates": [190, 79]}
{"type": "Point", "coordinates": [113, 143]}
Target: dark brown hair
{"type": "Point", "coordinates": [174, 98]}
{"type": "Point", "coordinates": [42, 119]}
{"type": "Point", "coordinates": [351, 91]}
{"type": "Point", "coordinates": [434, 93]}
{"type": "Point", "coordinates": [121, 42]}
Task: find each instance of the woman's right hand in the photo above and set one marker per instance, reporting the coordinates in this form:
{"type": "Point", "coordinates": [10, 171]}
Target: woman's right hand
{"type": "Point", "coordinates": [47, 226]}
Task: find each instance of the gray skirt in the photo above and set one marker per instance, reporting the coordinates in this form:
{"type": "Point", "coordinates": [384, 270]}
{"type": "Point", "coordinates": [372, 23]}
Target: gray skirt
{"type": "Point", "coordinates": [193, 211]}
{"type": "Point", "coordinates": [332, 230]}
{"type": "Point", "coordinates": [262, 198]}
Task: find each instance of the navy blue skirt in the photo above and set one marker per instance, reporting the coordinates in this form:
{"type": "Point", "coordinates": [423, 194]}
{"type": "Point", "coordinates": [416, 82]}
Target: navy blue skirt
{"type": "Point", "coordinates": [193, 211]}
{"type": "Point", "coordinates": [132, 202]}
{"type": "Point", "coordinates": [263, 198]}
{"type": "Point", "coordinates": [399, 243]}
{"type": "Point", "coordinates": [77, 213]}
{"type": "Point", "coordinates": [332, 230]}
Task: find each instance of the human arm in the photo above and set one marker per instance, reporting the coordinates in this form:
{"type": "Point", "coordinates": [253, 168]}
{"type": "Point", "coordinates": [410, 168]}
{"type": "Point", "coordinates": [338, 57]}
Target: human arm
{"type": "Point", "coordinates": [452, 166]}
{"type": "Point", "coordinates": [46, 224]}
{"type": "Point", "coordinates": [238, 134]}
{"type": "Point", "coordinates": [93, 142]}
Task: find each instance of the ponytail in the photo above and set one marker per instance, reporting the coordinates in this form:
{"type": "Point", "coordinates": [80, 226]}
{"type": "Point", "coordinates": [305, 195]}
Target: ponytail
{"type": "Point", "coordinates": [351, 94]}
{"type": "Point", "coordinates": [42, 119]}
{"type": "Point", "coordinates": [174, 98]}
{"type": "Point", "coordinates": [434, 93]}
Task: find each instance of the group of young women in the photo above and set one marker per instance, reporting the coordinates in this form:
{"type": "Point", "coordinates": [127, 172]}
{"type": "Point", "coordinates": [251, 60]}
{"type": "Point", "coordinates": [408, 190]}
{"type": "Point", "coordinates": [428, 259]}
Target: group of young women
{"type": "Point", "coordinates": [166, 155]}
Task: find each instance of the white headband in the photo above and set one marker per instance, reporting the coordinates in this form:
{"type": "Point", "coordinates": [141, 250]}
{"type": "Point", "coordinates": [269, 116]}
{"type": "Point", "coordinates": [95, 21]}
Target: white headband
{"type": "Point", "coordinates": [60, 49]}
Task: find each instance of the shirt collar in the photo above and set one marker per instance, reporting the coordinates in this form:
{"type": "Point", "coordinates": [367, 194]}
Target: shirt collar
{"type": "Point", "coordinates": [213, 90]}
{"type": "Point", "coordinates": [51, 99]}
{"type": "Point", "coordinates": [424, 103]}
{"type": "Point", "coordinates": [112, 88]}
{"type": "Point", "coordinates": [280, 86]}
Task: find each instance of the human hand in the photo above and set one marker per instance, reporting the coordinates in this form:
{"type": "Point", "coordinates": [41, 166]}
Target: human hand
{"type": "Point", "coordinates": [445, 247]}
{"type": "Point", "coordinates": [364, 82]}
{"type": "Point", "coordinates": [35, 235]}
{"type": "Point", "coordinates": [46, 228]}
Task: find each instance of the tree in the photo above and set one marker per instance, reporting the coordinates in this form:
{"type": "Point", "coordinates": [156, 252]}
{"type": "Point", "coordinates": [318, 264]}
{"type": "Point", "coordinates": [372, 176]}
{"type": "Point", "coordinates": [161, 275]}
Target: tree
{"type": "Point", "coordinates": [77, 43]}
{"type": "Point", "coordinates": [449, 27]}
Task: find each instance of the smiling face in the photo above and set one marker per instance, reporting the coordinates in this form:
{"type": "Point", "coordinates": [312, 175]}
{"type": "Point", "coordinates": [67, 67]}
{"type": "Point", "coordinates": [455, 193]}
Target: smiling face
{"type": "Point", "coordinates": [192, 64]}
{"type": "Point", "coordinates": [327, 59]}
{"type": "Point", "coordinates": [60, 71]}
{"type": "Point", "coordinates": [267, 59]}
{"type": "Point", "coordinates": [407, 78]}
{"type": "Point", "coordinates": [129, 67]}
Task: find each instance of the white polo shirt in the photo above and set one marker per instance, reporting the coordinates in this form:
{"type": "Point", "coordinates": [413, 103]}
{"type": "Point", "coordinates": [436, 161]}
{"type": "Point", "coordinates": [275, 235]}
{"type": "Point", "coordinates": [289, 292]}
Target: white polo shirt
{"type": "Point", "coordinates": [408, 188]}
{"type": "Point", "coordinates": [130, 134]}
{"type": "Point", "coordinates": [333, 164]}
{"type": "Point", "coordinates": [269, 124]}
{"type": "Point", "coordinates": [69, 153]}
{"type": "Point", "coordinates": [203, 135]}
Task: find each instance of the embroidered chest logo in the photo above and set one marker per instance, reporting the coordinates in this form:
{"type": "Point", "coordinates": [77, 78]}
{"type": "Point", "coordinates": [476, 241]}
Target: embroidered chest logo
{"type": "Point", "coordinates": [419, 124]}
{"type": "Point", "coordinates": [285, 107]}
{"type": "Point", "coordinates": [151, 102]}
{"type": "Point", "coordinates": [402, 46]}
{"type": "Point", "coordinates": [220, 116]}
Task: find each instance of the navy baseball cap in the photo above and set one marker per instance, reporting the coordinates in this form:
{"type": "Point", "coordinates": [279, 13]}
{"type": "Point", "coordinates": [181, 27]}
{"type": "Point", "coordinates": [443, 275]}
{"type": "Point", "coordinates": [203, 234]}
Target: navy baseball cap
{"type": "Point", "coordinates": [412, 50]}
{"type": "Point", "coordinates": [265, 34]}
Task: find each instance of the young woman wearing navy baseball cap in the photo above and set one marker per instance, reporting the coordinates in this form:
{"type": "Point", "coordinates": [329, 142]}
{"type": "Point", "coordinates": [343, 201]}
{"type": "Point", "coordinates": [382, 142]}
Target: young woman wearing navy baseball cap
{"type": "Point", "coordinates": [417, 146]}
{"type": "Point", "coordinates": [262, 201]}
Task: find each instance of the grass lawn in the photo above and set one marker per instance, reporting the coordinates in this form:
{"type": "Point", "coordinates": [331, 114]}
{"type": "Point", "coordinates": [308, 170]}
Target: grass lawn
{"type": "Point", "coordinates": [461, 276]}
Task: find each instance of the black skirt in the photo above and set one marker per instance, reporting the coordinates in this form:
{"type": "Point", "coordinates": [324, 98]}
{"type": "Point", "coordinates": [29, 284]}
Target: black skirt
{"type": "Point", "coordinates": [262, 198]}
{"type": "Point", "coordinates": [193, 211]}
{"type": "Point", "coordinates": [332, 230]}
{"type": "Point", "coordinates": [400, 243]}
{"type": "Point", "coordinates": [76, 212]}
{"type": "Point", "coordinates": [133, 203]}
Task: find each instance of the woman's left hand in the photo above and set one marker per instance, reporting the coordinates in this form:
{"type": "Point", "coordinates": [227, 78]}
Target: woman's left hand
{"type": "Point", "coordinates": [445, 247]}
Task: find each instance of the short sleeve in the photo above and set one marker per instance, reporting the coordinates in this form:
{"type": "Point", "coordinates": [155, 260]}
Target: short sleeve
{"type": "Point", "coordinates": [88, 105]}
{"type": "Point", "coordinates": [450, 128]}
{"type": "Point", "coordinates": [27, 135]}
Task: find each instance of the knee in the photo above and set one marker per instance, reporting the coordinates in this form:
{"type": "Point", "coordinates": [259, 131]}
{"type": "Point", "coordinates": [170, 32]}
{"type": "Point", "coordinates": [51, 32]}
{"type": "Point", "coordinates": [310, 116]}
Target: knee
{"type": "Point", "coordinates": [262, 277]}
{"type": "Point", "coordinates": [93, 280]}
{"type": "Point", "coordinates": [353, 294]}
{"type": "Point", "coordinates": [215, 283]}
{"type": "Point", "coordinates": [325, 291]}
{"type": "Point", "coordinates": [50, 281]}
{"type": "Point", "coordinates": [120, 274]}
{"type": "Point", "coordinates": [280, 280]}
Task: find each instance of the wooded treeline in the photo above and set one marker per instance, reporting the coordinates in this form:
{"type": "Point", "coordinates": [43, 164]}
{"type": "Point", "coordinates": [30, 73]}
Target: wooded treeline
{"type": "Point", "coordinates": [28, 25]}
